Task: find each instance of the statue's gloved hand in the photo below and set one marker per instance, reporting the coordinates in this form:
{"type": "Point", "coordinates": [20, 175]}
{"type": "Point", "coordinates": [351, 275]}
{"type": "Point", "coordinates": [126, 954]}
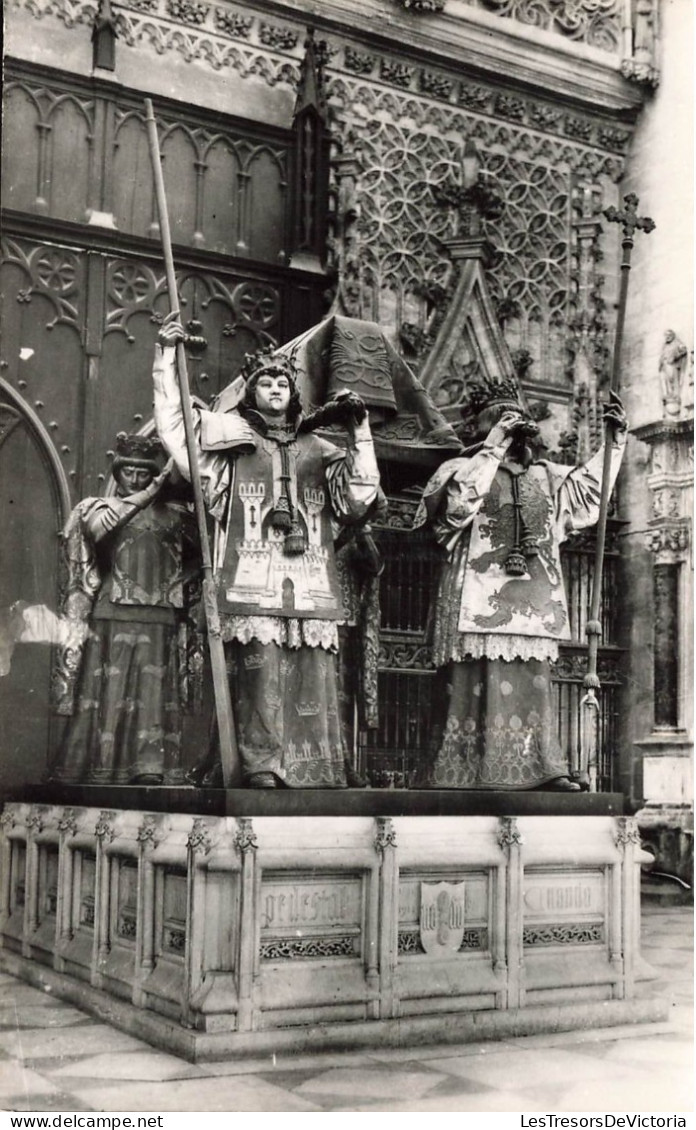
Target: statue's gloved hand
{"type": "Point", "coordinates": [351, 407]}
{"type": "Point", "coordinates": [614, 414]}
{"type": "Point", "coordinates": [165, 474]}
{"type": "Point", "coordinates": [171, 330]}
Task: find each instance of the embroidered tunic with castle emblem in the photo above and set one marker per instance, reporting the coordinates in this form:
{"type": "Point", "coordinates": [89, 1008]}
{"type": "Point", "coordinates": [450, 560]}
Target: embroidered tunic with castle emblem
{"type": "Point", "coordinates": [279, 610]}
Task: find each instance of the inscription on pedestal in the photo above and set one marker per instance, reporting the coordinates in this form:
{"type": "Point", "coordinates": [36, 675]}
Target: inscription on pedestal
{"type": "Point", "coordinates": [550, 897]}
{"type": "Point", "coordinates": [310, 916]}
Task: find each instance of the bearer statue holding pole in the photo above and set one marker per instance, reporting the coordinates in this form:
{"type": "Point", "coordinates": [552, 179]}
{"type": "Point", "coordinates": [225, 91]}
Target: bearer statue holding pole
{"type": "Point", "coordinates": [277, 495]}
{"type": "Point", "coordinates": [500, 514]}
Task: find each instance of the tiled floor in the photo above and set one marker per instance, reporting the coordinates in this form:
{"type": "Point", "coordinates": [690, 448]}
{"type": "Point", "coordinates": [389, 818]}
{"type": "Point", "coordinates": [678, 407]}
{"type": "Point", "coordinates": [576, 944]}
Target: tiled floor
{"type": "Point", "coordinates": [55, 1058]}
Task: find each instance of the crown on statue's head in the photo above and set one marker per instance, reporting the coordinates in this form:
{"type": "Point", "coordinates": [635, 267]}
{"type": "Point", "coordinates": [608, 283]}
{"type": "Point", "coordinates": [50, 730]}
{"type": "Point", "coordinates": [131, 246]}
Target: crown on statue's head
{"type": "Point", "coordinates": [267, 361]}
{"type": "Point", "coordinates": [138, 450]}
{"type": "Point", "coordinates": [493, 392]}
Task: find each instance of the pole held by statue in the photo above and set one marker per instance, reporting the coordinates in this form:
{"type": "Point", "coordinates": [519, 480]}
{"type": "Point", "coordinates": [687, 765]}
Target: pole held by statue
{"type": "Point", "coordinates": [630, 221]}
{"type": "Point", "coordinates": [229, 753]}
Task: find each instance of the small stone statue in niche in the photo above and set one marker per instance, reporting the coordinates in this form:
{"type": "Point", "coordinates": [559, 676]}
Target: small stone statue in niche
{"type": "Point", "coordinates": [278, 495]}
{"type": "Point", "coordinates": [500, 514]}
{"type": "Point", "coordinates": [673, 361]}
{"type": "Point", "coordinates": [132, 575]}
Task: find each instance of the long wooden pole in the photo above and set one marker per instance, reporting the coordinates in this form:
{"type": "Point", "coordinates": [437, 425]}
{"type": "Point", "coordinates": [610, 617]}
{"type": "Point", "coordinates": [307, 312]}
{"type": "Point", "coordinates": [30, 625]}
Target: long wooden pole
{"type": "Point", "coordinates": [229, 754]}
{"type": "Point", "coordinates": [630, 221]}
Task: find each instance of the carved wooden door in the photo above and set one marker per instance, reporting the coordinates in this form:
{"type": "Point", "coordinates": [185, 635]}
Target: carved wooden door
{"type": "Point", "coordinates": [28, 573]}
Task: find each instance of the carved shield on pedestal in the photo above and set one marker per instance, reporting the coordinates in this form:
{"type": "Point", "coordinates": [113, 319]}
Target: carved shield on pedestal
{"type": "Point", "coordinates": [441, 917]}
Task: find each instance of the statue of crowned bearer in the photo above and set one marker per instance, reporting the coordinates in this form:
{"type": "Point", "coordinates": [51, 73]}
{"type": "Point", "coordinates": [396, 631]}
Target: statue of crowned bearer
{"type": "Point", "coordinates": [500, 514]}
{"type": "Point", "coordinates": [278, 495]}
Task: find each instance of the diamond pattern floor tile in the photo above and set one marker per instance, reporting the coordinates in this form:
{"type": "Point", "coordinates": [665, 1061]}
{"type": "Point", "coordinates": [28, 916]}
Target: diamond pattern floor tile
{"type": "Point", "coordinates": [87, 1040]}
{"type": "Point", "coordinates": [244, 1094]}
{"type": "Point", "coordinates": [372, 1083]}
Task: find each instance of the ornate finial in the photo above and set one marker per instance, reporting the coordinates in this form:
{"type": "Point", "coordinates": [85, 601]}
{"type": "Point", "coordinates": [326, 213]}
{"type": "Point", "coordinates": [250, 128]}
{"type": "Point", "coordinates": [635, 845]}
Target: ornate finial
{"type": "Point", "coordinates": [245, 837]}
{"type": "Point", "coordinates": [67, 824]}
{"type": "Point", "coordinates": [471, 198]}
{"type": "Point", "coordinates": [509, 834]}
{"type": "Point", "coordinates": [385, 835]}
{"type": "Point", "coordinates": [199, 838]}
{"type": "Point", "coordinates": [629, 218]}
{"type": "Point", "coordinates": [311, 87]}
{"type": "Point", "coordinates": [627, 832]}
{"type": "Point", "coordinates": [147, 832]}
{"type": "Point", "coordinates": [104, 828]}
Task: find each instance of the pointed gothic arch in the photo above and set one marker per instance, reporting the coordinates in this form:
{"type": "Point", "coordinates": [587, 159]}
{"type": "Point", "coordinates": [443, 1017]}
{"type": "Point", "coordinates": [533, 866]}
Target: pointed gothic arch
{"type": "Point", "coordinates": [34, 504]}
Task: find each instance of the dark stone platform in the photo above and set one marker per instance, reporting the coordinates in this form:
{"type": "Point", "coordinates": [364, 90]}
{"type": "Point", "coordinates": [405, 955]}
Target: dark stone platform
{"type": "Point", "coordinates": [325, 802]}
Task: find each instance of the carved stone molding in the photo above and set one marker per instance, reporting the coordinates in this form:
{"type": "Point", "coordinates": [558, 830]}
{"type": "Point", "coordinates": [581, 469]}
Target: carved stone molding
{"type": "Point", "coordinates": [148, 836]}
{"type": "Point", "coordinates": [200, 839]}
{"type": "Point", "coordinates": [474, 938]}
{"type": "Point", "coordinates": [421, 5]}
{"type": "Point", "coordinates": [669, 544]}
{"type": "Point", "coordinates": [399, 232]}
{"type": "Point", "coordinates": [564, 934]}
{"type": "Point", "coordinates": [105, 829]}
{"type": "Point", "coordinates": [627, 831]}
{"type": "Point", "coordinates": [200, 31]}
{"type": "Point", "coordinates": [573, 668]}
{"type": "Point", "coordinates": [641, 62]}
{"type": "Point", "coordinates": [289, 949]}
{"type": "Point", "coordinates": [67, 822]}
{"type": "Point", "coordinates": [245, 837]}
{"type": "Point", "coordinates": [509, 834]}
{"type": "Point", "coordinates": [36, 820]}
{"type": "Point", "coordinates": [595, 22]}
{"type": "Point", "coordinates": [8, 819]}
{"type": "Point", "coordinates": [385, 834]}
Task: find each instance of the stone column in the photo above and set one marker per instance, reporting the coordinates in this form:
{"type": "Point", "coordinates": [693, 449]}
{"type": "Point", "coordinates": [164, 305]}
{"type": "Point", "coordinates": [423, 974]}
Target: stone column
{"type": "Point", "coordinates": [510, 840]}
{"type": "Point", "coordinates": [385, 843]}
{"type": "Point", "coordinates": [666, 654]}
{"type": "Point", "coordinates": [246, 844]}
{"type": "Point", "coordinates": [666, 821]}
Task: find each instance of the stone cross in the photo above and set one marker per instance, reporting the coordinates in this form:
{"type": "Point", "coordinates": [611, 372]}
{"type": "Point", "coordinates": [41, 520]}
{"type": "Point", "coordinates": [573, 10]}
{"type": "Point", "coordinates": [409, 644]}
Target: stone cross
{"type": "Point", "coordinates": [629, 217]}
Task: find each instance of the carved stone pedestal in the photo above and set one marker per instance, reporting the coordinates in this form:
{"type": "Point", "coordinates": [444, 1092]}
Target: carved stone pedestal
{"type": "Point", "coordinates": [214, 936]}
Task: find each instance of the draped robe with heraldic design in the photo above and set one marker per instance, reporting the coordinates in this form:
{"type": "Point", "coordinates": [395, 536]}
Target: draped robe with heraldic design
{"type": "Point", "coordinates": [125, 685]}
{"type": "Point", "coordinates": [280, 611]}
{"type": "Point", "coordinates": [495, 635]}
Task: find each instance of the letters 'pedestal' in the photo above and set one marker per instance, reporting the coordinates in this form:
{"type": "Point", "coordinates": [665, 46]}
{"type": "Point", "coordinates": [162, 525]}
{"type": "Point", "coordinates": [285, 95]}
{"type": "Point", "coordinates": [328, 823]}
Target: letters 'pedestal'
{"type": "Point", "coordinates": [216, 924]}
